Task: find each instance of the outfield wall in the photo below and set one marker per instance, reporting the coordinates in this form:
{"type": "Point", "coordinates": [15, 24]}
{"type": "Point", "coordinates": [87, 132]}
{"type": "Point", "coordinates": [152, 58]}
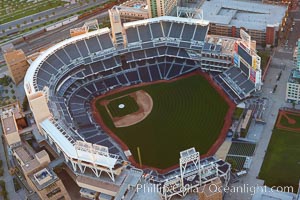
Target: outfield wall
{"type": "Point", "coordinates": [211, 151]}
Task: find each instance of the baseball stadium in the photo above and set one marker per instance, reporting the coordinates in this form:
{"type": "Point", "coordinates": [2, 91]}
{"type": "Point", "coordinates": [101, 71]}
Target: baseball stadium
{"type": "Point", "coordinates": [121, 104]}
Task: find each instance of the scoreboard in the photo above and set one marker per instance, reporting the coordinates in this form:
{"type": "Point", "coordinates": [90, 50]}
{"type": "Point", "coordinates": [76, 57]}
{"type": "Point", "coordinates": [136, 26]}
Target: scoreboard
{"type": "Point", "coordinates": [245, 54]}
{"type": "Point", "coordinates": [247, 59]}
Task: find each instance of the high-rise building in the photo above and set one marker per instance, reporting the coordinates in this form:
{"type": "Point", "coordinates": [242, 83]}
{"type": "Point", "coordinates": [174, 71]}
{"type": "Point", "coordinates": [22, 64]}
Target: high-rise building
{"type": "Point", "coordinates": [157, 8]}
{"type": "Point", "coordinates": [293, 84]}
{"type": "Point", "coordinates": [17, 64]}
{"type": "Point", "coordinates": [13, 121]}
{"type": "Point", "coordinates": [39, 176]}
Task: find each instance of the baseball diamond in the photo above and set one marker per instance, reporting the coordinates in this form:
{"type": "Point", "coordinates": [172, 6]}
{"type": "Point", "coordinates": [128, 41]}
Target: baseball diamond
{"type": "Point", "coordinates": [187, 111]}
{"type": "Point", "coordinates": [283, 148]}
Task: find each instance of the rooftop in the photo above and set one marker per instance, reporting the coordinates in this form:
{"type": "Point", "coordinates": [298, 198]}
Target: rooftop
{"type": "Point", "coordinates": [137, 4]}
{"type": "Point", "coordinates": [132, 9]}
{"type": "Point", "coordinates": [294, 77]}
{"type": "Point", "coordinates": [30, 159]}
{"type": "Point", "coordinates": [31, 165]}
{"type": "Point", "coordinates": [15, 56]}
{"type": "Point", "coordinates": [12, 108]}
{"type": "Point", "coordinates": [227, 43]}
{"type": "Point", "coordinates": [41, 154]}
{"type": "Point", "coordinates": [9, 125]}
{"type": "Point", "coordinates": [23, 154]}
{"type": "Point", "coordinates": [251, 15]}
{"type": "Point", "coordinates": [43, 178]}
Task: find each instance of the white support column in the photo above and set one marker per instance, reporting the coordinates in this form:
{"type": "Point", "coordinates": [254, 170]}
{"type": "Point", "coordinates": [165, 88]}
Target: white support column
{"type": "Point", "coordinates": [66, 158]}
{"type": "Point", "coordinates": [80, 167]}
{"type": "Point", "coordinates": [83, 168]}
{"type": "Point", "coordinates": [58, 149]}
{"type": "Point", "coordinates": [95, 171]}
{"type": "Point", "coordinates": [74, 166]}
{"type": "Point", "coordinates": [111, 175]}
{"type": "Point", "coordinates": [51, 141]}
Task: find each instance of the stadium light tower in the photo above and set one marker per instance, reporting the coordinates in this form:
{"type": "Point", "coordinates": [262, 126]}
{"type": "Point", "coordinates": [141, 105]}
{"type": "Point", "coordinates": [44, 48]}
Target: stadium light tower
{"type": "Point", "coordinates": [298, 193]}
{"type": "Point", "coordinates": [190, 12]}
{"type": "Point", "coordinates": [189, 166]}
{"type": "Point", "coordinates": [189, 177]}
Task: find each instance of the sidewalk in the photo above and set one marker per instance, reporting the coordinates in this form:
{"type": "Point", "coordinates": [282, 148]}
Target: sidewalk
{"type": "Point", "coordinates": [7, 178]}
{"type": "Point", "coordinates": [277, 100]}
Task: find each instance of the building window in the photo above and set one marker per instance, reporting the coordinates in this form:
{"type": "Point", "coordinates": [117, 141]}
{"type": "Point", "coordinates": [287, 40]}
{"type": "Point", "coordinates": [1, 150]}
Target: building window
{"type": "Point", "coordinates": [53, 192]}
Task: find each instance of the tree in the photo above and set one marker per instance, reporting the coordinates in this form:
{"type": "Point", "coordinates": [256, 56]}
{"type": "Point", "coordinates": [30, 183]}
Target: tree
{"type": "Point", "coordinates": [18, 25]}
{"type": "Point", "coordinates": [294, 104]}
{"type": "Point", "coordinates": [4, 80]}
{"type": "Point", "coordinates": [233, 164]}
{"type": "Point", "coordinates": [25, 104]}
{"type": "Point", "coordinates": [32, 20]}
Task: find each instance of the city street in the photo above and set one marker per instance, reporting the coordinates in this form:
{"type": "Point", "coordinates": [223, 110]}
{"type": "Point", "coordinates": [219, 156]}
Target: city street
{"type": "Point", "coordinates": [49, 38]}
{"type": "Point", "coordinates": [52, 37]}
{"type": "Point", "coordinates": [280, 62]}
{"type": "Point", "coordinates": [7, 178]}
{"type": "Point", "coordinates": [41, 18]}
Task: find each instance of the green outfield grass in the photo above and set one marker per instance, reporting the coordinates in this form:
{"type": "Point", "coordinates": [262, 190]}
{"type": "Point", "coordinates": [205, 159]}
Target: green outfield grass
{"type": "Point", "coordinates": [282, 161]}
{"type": "Point", "coordinates": [186, 113]}
{"type": "Point", "coordinates": [129, 103]}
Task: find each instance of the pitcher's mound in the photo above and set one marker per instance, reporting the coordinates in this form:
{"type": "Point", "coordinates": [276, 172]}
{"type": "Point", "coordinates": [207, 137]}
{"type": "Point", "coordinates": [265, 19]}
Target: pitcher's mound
{"type": "Point", "coordinates": [142, 99]}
